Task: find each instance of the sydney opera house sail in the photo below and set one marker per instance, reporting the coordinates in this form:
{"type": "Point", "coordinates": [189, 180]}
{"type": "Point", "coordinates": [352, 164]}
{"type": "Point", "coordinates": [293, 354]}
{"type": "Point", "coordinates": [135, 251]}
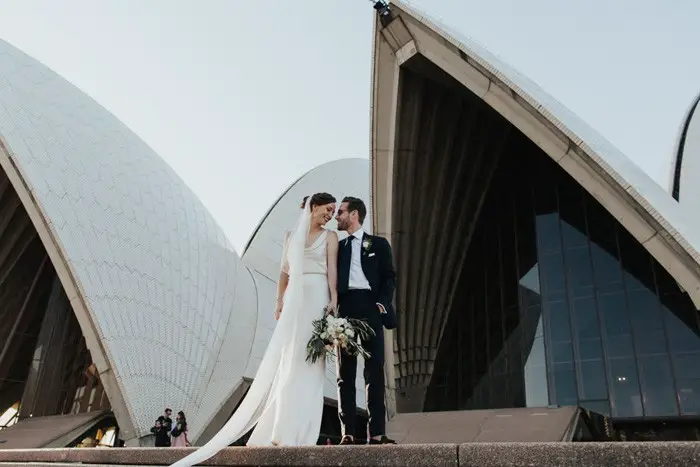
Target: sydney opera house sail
{"type": "Point", "coordinates": [117, 237]}
{"type": "Point", "coordinates": [536, 264]}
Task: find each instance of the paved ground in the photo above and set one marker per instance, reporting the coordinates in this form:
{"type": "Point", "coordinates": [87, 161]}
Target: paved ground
{"type": "Point", "coordinates": [496, 425]}
{"type": "Point", "coordinates": [473, 454]}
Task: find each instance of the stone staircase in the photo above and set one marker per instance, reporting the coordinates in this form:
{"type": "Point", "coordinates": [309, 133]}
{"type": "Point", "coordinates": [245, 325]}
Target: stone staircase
{"type": "Point", "coordinates": [434, 455]}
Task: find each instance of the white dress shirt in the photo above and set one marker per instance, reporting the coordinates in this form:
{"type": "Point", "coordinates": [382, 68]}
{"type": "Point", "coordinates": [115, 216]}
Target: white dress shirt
{"type": "Point", "coordinates": [357, 279]}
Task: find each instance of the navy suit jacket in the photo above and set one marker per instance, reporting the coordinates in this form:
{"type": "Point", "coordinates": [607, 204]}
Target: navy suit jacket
{"type": "Point", "coordinates": [378, 266]}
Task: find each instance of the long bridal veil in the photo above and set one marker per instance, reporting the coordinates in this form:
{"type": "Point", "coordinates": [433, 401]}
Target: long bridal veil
{"type": "Point", "coordinates": [273, 371]}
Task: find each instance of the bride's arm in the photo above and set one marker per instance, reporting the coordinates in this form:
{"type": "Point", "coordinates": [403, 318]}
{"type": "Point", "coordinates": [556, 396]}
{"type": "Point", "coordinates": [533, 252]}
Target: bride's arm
{"type": "Point", "coordinates": [332, 262]}
{"type": "Point", "coordinates": [283, 281]}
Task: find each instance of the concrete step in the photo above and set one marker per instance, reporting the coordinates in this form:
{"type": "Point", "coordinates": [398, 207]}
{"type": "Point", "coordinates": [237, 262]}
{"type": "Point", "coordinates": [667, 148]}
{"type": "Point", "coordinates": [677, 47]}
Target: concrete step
{"type": "Point", "coordinates": [651, 454]}
{"type": "Point", "coordinates": [496, 425]}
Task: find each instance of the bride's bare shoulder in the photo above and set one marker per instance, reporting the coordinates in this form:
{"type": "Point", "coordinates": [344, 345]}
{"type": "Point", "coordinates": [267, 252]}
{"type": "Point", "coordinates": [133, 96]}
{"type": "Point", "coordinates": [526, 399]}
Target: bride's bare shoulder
{"type": "Point", "coordinates": [332, 236]}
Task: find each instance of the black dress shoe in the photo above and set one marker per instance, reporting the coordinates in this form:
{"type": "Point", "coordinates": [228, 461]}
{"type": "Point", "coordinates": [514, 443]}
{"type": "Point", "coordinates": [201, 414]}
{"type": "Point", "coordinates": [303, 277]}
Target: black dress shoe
{"type": "Point", "coordinates": [347, 440]}
{"type": "Point", "coordinates": [382, 440]}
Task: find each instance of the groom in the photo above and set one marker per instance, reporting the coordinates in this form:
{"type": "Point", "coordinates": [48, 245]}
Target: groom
{"type": "Point", "coordinates": [366, 280]}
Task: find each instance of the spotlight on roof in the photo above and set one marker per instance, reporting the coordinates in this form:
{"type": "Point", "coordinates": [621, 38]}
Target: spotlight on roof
{"type": "Point", "coordinates": [383, 11]}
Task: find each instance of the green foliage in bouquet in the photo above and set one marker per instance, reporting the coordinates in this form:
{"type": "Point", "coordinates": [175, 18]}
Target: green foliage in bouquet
{"type": "Point", "coordinates": [330, 332]}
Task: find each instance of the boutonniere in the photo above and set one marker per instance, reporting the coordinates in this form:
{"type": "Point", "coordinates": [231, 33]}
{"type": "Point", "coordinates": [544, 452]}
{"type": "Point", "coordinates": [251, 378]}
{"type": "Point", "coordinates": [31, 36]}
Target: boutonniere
{"type": "Point", "coordinates": [367, 244]}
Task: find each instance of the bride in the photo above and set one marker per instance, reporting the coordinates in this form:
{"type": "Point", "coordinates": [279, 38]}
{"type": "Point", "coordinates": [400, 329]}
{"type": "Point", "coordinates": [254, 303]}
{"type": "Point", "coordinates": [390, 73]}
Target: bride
{"type": "Point", "coordinates": [285, 401]}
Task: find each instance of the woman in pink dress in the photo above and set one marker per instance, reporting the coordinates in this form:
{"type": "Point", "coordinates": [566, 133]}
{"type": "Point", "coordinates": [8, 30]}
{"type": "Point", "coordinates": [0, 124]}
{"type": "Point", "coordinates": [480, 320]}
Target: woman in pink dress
{"type": "Point", "coordinates": [179, 434]}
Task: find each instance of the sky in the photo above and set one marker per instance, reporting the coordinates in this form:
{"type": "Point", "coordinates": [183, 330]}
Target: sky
{"type": "Point", "coordinates": [243, 97]}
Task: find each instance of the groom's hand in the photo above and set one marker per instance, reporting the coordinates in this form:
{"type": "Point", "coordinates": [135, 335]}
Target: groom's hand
{"type": "Point", "coordinates": [382, 310]}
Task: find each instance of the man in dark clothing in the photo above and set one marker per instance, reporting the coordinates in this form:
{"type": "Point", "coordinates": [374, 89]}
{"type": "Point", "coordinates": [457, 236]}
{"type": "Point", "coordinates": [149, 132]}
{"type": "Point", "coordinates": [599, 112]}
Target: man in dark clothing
{"type": "Point", "coordinates": [366, 281]}
{"type": "Point", "coordinates": [162, 429]}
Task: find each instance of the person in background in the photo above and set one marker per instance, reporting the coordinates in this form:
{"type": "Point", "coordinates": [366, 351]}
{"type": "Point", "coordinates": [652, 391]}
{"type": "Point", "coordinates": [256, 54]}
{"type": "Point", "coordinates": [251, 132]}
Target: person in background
{"type": "Point", "coordinates": [179, 433]}
{"type": "Point", "coordinates": [162, 429]}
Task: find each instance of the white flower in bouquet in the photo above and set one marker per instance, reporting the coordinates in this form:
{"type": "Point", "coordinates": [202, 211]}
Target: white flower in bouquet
{"type": "Point", "coordinates": [332, 334]}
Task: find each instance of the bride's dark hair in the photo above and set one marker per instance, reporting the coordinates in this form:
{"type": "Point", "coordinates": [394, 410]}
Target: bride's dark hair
{"type": "Point", "coordinates": [318, 199]}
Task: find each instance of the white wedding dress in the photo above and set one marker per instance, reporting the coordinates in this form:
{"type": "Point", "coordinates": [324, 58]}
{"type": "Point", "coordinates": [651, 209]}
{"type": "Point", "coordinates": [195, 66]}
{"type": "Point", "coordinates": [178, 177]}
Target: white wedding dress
{"type": "Point", "coordinates": [285, 400]}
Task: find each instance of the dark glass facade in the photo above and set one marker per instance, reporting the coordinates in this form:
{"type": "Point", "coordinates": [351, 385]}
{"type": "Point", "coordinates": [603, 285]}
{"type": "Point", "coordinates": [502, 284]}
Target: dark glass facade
{"type": "Point", "coordinates": [559, 305]}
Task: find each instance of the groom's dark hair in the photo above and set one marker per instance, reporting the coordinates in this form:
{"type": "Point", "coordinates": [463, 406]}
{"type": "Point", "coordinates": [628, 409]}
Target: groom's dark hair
{"type": "Point", "coordinates": [356, 204]}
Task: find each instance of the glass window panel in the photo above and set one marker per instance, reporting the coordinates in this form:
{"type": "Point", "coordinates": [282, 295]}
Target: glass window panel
{"type": "Point", "coordinates": [562, 352]}
{"type": "Point", "coordinates": [571, 236]}
{"type": "Point", "coordinates": [558, 322]}
{"type": "Point", "coordinates": [687, 365]}
{"type": "Point", "coordinates": [552, 275]}
{"type": "Point", "coordinates": [590, 349]}
{"type": "Point", "coordinates": [584, 338]}
{"type": "Point", "coordinates": [658, 392]}
{"type": "Point", "coordinates": [586, 319]}
{"type": "Point", "coordinates": [650, 342]}
{"type": "Point", "coordinates": [529, 298]}
{"type": "Point", "coordinates": [689, 396]}
{"type": "Point", "coordinates": [580, 274]}
{"type": "Point", "coordinates": [633, 283]}
{"type": "Point", "coordinates": [681, 338]}
{"type": "Point", "coordinates": [613, 311]}
{"type": "Point", "coordinates": [644, 309]}
{"type": "Point", "coordinates": [592, 384]}
{"type": "Point", "coordinates": [620, 346]}
{"type": "Point", "coordinates": [571, 204]}
{"type": "Point", "coordinates": [548, 236]}
{"type": "Point", "coordinates": [624, 388]}
{"type": "Point", "coordinates": [606, 270]}
{"type": "Point", "coordinates": [636, 262]}
{"type": "Point", "coordinates": [565, 384]}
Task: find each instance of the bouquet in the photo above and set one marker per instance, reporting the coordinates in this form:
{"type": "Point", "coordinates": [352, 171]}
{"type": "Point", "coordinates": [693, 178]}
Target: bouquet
{"type": "Point", "coordinates": [331, 332]}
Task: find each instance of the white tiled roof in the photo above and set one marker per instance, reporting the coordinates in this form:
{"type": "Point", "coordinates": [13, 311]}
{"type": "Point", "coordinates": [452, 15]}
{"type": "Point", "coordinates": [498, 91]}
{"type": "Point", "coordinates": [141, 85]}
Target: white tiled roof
{"type": "Point", "coordinates": [155, 270]}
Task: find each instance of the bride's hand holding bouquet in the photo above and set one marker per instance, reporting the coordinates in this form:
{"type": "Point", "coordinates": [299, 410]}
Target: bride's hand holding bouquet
{"type": "Point", "coordinates": [331, 334]}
